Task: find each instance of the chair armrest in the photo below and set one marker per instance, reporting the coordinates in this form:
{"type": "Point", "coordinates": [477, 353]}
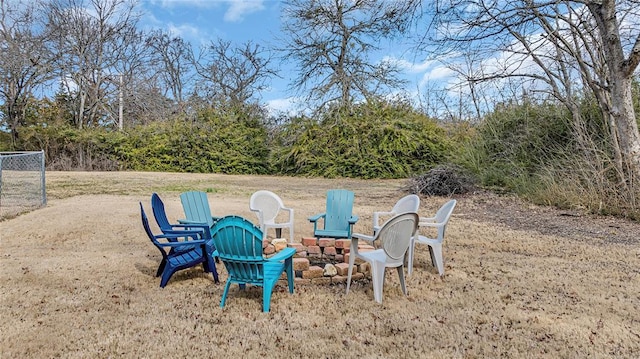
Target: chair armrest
{"type": "Point", "coordinates": [187, 222]}
{"type": "Point", "coordinates": [316, 217]}
{"type": "Point", "coordinates": [430, 224]}
{"type": "Point", "coordinates": [198, 226]}
{"type": "Point", "coordinates": [364, 237]}
{"type": "Point", "coordinates": [176, 236]}
{"type": "Point", "coordinates": [258, 213]}
{"type": "Point", "coordinates": [282, 255]}
{"type": "Point", "coordinates": [182, 244]}
{"type": "Point", "coordinates": [353, 219]}
{"type": "Point", "coordinates": [184, 232]}
{"type": "Point", "coordinates": [427, 219]}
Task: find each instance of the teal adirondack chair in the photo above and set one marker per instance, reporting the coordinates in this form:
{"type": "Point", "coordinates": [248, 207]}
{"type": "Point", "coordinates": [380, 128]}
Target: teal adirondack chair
{"type": "Point", "coordinates": [238, 244]}
{"type": "Point", "coordinates": [196, 208]}
{"type": "Point", "coordinates": [338, 218]}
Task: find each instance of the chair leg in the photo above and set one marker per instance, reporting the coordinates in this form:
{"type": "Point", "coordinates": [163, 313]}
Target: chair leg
{"type": "Point", "coordinates": [352, 259]}
{"type": "Point", "coordinates": [267, 290]}
{"type": "Point", "coordinates": [291, 234]}
{"type": "Point", "coordinates": [161, 267]}
{"type": "Point", "coordinates": [402, 283]}
{"type": "Point", "coordinates": [288, 263]}
{"type": "Point", "coordinates": [224, 294]}
{"type": "Point", "coordinates": [377, 276]}
{"type": "Point", "coordinates": [211, 266]}
{"type": "Point", "coordinates": [410, 254]}
{"type": "Point", "coordinates": [436, 257]}
{"type": "Point", "coordinates": [166, 275]}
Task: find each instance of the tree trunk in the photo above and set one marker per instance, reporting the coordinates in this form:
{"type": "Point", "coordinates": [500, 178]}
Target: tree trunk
{"type": "Point", "coordinates": [620, 74]}
{"type": "Point", "coordinates": [623, 113]}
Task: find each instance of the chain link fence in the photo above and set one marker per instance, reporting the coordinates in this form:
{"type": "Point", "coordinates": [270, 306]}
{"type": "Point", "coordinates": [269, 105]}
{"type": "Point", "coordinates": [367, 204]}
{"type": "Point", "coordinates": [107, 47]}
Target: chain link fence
{"type": "Point", "coordinates": [22, 182]}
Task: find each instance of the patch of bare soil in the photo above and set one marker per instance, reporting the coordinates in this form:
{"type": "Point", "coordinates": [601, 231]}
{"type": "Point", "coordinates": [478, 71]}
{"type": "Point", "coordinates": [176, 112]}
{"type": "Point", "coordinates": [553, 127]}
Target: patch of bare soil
{"type": "Point", "coordinates": [515, 213]}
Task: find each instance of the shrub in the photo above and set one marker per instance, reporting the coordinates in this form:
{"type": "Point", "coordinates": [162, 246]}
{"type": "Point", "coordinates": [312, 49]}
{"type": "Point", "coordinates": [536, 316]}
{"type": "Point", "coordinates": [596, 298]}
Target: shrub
{"type": "Point", "coordinates": [214, 143]}
{"type": "Point", "coordinates": [374, 140]}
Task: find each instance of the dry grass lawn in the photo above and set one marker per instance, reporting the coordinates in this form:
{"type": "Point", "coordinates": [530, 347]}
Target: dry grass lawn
{"type": "Point", "coordinates": [77, 281]}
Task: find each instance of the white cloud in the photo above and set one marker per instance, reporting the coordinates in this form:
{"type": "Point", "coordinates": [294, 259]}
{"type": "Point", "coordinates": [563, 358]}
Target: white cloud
{"type": "Point", "coordinates": [175, 3]}
{"type": "Point", "coordinates": [282, 106]}
{"type": "Point", "coordinates": [184, 30]}
{"type": "Point", "coordinates": [238, 9]}
{"type": "Point", "coordinates": [438, 73]}
{"type": "Point", "coordinates": [235, 12]}
{"type": "Point", "coordinates": [410, 67]}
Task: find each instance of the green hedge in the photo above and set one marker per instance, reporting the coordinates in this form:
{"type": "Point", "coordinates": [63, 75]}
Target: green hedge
{"type": "Point", "coordinates": [214, 143]}
{"type": "Point", "coordinates": [379, 140]}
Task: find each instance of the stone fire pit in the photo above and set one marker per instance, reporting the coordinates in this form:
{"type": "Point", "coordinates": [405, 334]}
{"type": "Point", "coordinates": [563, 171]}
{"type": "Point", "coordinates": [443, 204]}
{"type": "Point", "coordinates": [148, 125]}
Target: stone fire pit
{"type": "Point", "coordinates": [321, 261]}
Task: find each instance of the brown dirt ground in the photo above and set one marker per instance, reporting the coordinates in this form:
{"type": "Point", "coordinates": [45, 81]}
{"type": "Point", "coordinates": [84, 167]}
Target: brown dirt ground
{"type": "Point", "coordinates": [76, 280]}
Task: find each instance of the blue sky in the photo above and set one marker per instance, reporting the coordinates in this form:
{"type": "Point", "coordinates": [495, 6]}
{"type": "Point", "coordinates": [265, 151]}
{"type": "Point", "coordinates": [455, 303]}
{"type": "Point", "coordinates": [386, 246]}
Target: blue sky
{"type": "Point", "coordinates": [200, 21]}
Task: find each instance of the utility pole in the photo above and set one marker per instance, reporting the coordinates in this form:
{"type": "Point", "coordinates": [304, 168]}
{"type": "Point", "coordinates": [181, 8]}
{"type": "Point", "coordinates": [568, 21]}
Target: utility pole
{"type": "Point", "coordinates": [120, 104]}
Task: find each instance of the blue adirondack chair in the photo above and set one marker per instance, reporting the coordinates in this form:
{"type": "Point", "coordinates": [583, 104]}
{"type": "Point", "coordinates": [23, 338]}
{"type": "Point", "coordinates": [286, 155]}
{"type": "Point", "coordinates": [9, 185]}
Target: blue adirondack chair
{"type": "Point", "coordinates": [180, 256]}
{"type": "Point", "coordinates": [338, 218]}
{"type": "Point", "coordinates": [200, 229]}
{"type": "Point", "coordinates": [239, 246]}
{"type": "Point", "coordinates": [163, 222]}
{"type": "Point", "coordinates": [196, 208]}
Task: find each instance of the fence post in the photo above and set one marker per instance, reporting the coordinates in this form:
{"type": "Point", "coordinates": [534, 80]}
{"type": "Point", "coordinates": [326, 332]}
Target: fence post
{"type": "Point", "coordinates": [44, 187]}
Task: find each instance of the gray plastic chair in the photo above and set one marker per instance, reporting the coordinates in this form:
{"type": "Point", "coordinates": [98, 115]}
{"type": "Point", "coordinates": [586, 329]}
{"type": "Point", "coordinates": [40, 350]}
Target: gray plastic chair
{"type": "Point", "coordinates": [438, 221]}
{"type": "Point", "coordinates": [409, 203]}
{"type": "Point", "coordinates": [395, 236]}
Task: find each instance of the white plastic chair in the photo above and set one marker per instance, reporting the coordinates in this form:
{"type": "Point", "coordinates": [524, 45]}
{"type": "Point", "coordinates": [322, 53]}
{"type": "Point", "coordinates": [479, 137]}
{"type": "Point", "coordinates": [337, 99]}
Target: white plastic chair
{"type": "Point", "coordinates": [438, 221]}
{"type": "Point", "coordinates": [395, 236]}
{"type": "Point", "coordinates": [267, 206]}
{"type": "Point", "coordinates": [410, 203]}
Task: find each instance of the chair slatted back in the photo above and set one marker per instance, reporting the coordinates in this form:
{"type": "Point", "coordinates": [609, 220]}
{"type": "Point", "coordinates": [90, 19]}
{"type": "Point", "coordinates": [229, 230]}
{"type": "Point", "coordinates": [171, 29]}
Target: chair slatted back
{"type": "Point", "coordinates": [239, 245]}
{"type": "Point", "coordinates": [339, 209]}
{"type": "Point", "coordinates": [196, 207]}
{"type": "Point", "coordinates": [147, 229]}
{"type": "Point", "coordinates": [159, 213]}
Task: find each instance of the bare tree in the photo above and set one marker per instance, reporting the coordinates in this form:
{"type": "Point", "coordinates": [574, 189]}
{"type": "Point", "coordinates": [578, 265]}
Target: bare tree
{"type": "Point", "coordinates": [171, 57]}
{"type": "Point", "coordinates": [95, 45]}
{"type": "Point", "coordinates": [24, 61]}
{"type": "Point", "coordinates": [559, 48]}
{"type": "Point", "coordinates": [233, 75]}
{"type": "Point", "coordinates": [331, 41]}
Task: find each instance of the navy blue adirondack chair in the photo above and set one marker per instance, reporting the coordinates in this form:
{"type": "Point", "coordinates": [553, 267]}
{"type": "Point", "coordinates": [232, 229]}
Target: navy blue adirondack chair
{"type": "Point", "coordinates": [338, 218]}
{"type": "Point", "coordinates": [239, 246]}
{"type": "Point", "coordinates": [180, 256]}
{"type": "Point", "coordinates": [163, 222]}
{"type": "Point", "coordinates": [166, 227]}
